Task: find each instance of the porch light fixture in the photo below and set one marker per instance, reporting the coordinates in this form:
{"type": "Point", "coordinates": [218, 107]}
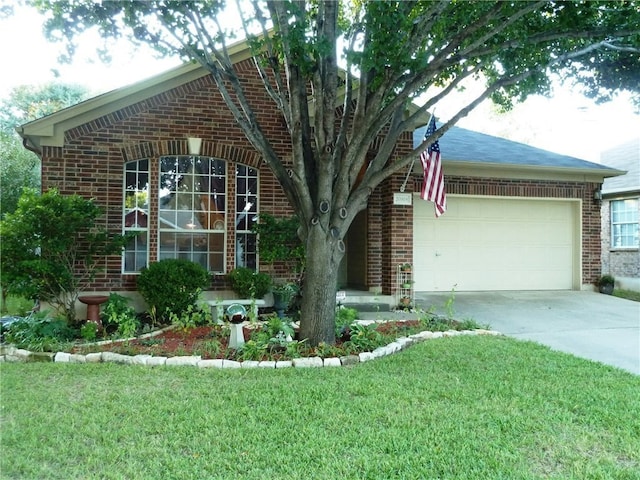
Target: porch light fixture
{"type": "Point", "coordinates": [194, 145]}
{"type": "Point", "coordinates": [597, 195]}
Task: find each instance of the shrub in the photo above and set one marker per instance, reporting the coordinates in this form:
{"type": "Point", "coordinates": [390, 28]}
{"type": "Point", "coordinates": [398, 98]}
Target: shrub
{"type": "Point", "coordinates": [606, 280]}
{"type": "Point", "coordinates": [365, 338]}
{"type": "Point", "coordinates": [52, 248]}
{"type": "Point", "coordinates": [345, 317]}
{"type": "Point", "coordinates": [172, 285]}
{"type": "Point", "coordinates": [193, 316]}
{"type": "Point", "coordinates": [89, 331]}
{"type": "Point", "coordinates": [119, 314]}
{"type": "Point", "coordinates": [249, 284]}
{"type": "Point", "coordinates": [40, 333]}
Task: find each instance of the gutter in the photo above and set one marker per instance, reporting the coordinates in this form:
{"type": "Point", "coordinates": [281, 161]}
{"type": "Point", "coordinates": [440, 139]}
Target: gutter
{"type": "Point", "coordinates": [25, 144]}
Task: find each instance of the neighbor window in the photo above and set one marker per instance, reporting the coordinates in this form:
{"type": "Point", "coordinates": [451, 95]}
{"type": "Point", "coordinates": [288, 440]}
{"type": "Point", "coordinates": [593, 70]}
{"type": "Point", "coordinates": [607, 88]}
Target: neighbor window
{"type": "Point", "coordinates": [624, 223]}
{"type": "Point", "coordinates": [135, 215]}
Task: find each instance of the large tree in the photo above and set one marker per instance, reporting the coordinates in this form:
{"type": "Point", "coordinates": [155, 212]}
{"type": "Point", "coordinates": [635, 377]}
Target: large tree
{"type": "Point", "coordinates": [372, 59]}
{"type": "Point", "coordinates": [20, 168]}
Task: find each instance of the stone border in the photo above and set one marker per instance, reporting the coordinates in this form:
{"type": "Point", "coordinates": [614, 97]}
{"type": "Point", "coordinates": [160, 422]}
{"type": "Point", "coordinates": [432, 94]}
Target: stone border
{"type": "Point", "coordinates": [12, 354]}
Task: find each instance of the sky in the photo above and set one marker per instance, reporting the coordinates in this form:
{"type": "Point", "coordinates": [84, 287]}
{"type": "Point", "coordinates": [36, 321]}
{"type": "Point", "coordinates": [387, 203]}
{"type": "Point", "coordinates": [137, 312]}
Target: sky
{"type": "Point", "coordinates": [567, 123]}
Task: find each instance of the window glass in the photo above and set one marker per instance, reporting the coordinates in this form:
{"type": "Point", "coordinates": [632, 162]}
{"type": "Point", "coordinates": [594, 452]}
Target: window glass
{"type": "Point", "coordinates": [192, 210]}
{"type": "Point", "coordinates": [246, 216]}
{"type": "Point", "coordinates": [624, 223]}
{"type": "Point", "coordinates": [135, 215]}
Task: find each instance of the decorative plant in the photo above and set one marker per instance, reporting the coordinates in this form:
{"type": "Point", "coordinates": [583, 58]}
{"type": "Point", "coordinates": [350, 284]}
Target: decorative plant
{"type": "Point", "coordinates": [53, 247]}
{"type": "Point", "coordinates": [282, 295]}
{"type": "Point", "coordinates": [40, 333]}
{"type": "Point", "coordinates": [278, 240]}
{"type": "Point", "coordinates": [405, 267]}
{"type": "Point", "coordinates": [172, 285]}
{"type": "Point", "coordinates": [89, 331]}
{"type": "Point", "coordinates": [606, 280]}
{"type": "Point", "coordinates": [405, 302]}
{"type": "Point", "coordinates": [117, 313]}
{"type": "Point", "coordinates": [345, 317]}
{"type": "Point", "coordinates": [249, 284]}
{"type": "Point", "coordinates": [606, 283]}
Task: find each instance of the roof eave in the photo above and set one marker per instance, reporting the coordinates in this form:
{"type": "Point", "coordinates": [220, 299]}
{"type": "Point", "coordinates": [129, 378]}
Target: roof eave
{"type": "Point", "coordinates": [483, 169]}
{"type": "Point", "coordinates": [50, 130]}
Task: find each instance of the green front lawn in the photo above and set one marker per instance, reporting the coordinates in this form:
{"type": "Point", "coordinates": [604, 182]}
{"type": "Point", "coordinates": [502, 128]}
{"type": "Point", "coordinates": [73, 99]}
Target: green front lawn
{"type": "Point", "coordinates": [475, 407]}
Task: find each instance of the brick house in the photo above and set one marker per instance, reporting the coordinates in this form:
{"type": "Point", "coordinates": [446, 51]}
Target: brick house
{"type": "Point", "coordinates": [621, 215]}
{"type": "Point", "coordinates": [166, 159]}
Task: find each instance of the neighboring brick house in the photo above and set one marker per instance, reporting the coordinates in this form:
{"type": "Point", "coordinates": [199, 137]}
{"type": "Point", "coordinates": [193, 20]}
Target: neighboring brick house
{"type": "Point", "coordinates": [621, 215]}
{"type": "Point", "coordinates": [165, 158]}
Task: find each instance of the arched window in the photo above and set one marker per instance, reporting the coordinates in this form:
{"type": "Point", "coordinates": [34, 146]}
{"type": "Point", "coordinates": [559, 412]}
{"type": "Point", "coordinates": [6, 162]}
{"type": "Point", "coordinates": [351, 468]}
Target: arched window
{"type": "Point", "coordinates": [192, 207]}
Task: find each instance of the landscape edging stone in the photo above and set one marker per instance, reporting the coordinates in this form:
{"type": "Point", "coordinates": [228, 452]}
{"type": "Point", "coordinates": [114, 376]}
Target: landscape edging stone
{"type": "Point", "coordinates": [17, 355]}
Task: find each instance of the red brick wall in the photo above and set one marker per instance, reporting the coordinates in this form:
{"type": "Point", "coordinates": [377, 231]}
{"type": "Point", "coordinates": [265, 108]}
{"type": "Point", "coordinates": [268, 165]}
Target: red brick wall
{"type": "Point", "coordinates": [92, 159]}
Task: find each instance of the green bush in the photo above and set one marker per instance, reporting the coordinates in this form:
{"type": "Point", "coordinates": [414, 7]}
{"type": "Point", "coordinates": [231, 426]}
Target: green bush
{"type": "Point", "coordinates": [40, 333]}
{"type": "Point", "coordinates": [249, 284]}
{"type": "Point", "coordinates": [345, 317]}
{"type": "Point", "coordinates": [118, 314]}
{"type": "Point", "coordinates": [365, 338]}
{"type": "Point", "coordinates": [15, 305]}
{"type": "Point", "coordinates": [172, 285]}
{"type": "Point", "coordinates": [89, 331]}
{"type": "Point", "coordinates": [53, 246]}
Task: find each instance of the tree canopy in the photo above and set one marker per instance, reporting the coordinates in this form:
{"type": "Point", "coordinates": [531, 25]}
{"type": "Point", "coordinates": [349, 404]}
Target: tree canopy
{"type": "Point", "coordinates": [20, 168]}
{"type": "Point", "coordinates": [384, 64]}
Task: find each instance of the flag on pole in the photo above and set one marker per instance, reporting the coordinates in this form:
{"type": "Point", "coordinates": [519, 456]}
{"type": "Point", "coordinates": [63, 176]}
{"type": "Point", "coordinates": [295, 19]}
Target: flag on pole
{"type": "Point", "coordinates": [433, 183]}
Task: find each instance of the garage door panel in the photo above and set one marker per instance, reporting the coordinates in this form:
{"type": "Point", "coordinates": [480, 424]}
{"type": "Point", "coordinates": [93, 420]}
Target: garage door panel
{"type": "Point", "coordinates": [492, 243]}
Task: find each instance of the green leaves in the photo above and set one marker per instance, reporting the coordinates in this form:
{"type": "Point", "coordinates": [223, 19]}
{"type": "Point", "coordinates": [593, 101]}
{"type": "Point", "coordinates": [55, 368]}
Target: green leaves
{"type": "Point", "coordinates": [52, 247]}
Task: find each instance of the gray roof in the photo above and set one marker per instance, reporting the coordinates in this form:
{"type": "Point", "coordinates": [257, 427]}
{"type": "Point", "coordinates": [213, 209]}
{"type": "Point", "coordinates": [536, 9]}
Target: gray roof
{"type": "Point", "coordinates": [624, 157]}
{"type": "Point", "coordinates": [461, 145]}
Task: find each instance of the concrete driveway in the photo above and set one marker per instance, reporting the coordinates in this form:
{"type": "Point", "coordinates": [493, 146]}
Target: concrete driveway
{"type": "Point", "coordinates": [586, 324]}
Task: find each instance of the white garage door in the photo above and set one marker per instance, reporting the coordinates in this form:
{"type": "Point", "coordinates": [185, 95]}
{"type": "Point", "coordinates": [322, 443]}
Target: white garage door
{"type": "Point", "coordinates": [496, 243]}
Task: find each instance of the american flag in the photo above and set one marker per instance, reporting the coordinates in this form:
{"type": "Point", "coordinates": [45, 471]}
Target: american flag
{"type": "Point", "coordinates": [433, 183]}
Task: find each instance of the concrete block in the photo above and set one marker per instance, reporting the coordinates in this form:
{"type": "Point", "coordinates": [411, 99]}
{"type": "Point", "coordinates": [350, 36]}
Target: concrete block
{"type": "Point", "coordinates": [156, 361]}
{"type": "Point", "coordinates": [94, 357]}
{"type": "Point", "coordinates": [332, 362]}
{"type": "Point", "coordinates": [231, 364]}
{"type": "Point", "coordinates": [250, 364]}
{"type": "Point", "coordinates": [211, 363]}
{"type": "Point", "coordinates": [309, 362]}
{"type": "Point", "coordinates": [183, 361]}
{"type": "Point", "coordinates": [350, 360]}
{"type": "Point", "coordinates": [61, 357]}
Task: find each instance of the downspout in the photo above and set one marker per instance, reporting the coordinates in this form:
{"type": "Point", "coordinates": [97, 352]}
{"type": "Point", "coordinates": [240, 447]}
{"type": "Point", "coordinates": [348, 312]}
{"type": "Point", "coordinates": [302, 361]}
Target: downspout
{"type": "Point", "coordinates": [25, 143]}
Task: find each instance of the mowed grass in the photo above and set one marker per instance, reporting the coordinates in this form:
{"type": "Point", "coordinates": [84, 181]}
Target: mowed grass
{"type": "Point", "coordinates": [453, 408]}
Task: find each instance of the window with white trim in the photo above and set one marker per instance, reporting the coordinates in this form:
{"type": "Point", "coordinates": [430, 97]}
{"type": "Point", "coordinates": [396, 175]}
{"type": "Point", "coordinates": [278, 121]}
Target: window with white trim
{"type": "Point", "coordinates": [192, 210]}
{"type": "Point", "coordinates": [135, 215]}
{"type": "Point", "coordinates": [624, 223]}
{"type": "Point", "coordinates": [246, 216]}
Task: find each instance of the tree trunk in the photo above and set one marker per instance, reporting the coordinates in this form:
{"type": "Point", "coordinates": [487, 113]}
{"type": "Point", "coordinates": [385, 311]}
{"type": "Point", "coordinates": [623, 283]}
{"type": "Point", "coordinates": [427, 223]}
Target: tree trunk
{"type": "Point", "coordinates": [317, 316]}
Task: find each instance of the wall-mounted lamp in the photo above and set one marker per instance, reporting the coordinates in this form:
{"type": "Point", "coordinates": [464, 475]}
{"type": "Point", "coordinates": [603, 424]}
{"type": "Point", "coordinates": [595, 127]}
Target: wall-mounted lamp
{"type": "Point", "coordinates": [597, 195]}
{"type": "Point", "coordinates": [194, 145]}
